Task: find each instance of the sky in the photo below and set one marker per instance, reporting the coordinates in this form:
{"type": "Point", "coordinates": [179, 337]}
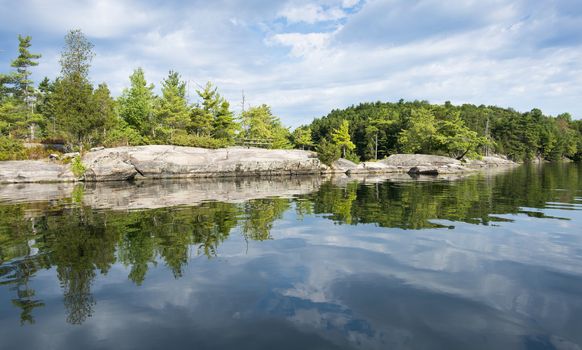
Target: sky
{"type": "Point", "coordinates": [305, 58]}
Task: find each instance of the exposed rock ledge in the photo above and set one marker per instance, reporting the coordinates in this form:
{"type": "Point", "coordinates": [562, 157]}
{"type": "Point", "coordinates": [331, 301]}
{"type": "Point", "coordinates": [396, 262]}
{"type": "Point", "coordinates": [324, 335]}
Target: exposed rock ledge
{"type": "Point", "coordinates": [164, 162]}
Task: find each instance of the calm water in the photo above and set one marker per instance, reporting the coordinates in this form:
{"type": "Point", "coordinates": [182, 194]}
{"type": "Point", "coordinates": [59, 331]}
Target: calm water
{"type": "Point", "coordinates": [491, 261]}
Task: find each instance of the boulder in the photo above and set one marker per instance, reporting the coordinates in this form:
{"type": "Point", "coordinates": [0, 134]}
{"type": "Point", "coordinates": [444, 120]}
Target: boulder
{"type": "Point", "coordinates": [22, 171]}
{"type": "Point", "coordinates": [413, 160]}
{"type": "Point", "coordinates": [424, 170]}
{"type": "Point", "coordinates": [343, 165]}
{"type": "Point", "coordinates": [113, 165]}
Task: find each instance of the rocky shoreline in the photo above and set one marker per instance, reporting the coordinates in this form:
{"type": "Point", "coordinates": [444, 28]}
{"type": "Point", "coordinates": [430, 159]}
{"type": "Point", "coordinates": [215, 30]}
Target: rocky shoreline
{"type": "Point", "coordinates": [171, 162]}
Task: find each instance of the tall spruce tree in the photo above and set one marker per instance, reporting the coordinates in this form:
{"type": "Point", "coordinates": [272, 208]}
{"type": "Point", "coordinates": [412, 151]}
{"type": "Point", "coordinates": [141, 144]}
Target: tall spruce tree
{"type": "Point", "coordinates": [137, 103]}
{"type": "Point", "coordinates": [24, 88]}
{"type": "Point", "coordinates": [173, 110]}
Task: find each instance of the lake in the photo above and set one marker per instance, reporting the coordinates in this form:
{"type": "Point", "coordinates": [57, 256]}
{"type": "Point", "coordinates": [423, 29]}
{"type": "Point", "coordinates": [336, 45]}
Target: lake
{"type": "Point", "coordinates": [487, 261]}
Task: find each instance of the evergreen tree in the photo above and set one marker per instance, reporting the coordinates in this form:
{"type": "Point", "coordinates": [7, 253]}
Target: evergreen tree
{"type": "Point", "coordinates": [137, 103]}
{"type": "Point", "coordinates": [341, 137]}
{"type": "Point", "coordinates": [420, 133]}
{"type": "Point", "coordinates": [213, 116]}
{"type": "Point", "coordinates": [24, 88]}
{"type": "Point", "coordinates": [104, 110]}
{"type": "Point", "coordinates": [173, 111]}
{"type": "Point", "coordinates": [17, 117]}
{"type": "Point", "coordinates": [302, 137]}
{"type": "Point", "coordinates": [262, 127]}
{"type": "Point", "coordinates": [225, 127]}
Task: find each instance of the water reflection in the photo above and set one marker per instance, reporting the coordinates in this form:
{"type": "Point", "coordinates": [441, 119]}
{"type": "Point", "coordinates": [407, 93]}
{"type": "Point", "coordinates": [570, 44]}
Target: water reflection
{"type": "Point", "coordinates": [372, 285]}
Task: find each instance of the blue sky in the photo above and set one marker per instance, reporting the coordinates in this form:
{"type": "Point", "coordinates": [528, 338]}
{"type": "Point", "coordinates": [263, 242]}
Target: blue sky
{"type": "Point", "coordinates": [305, 58]}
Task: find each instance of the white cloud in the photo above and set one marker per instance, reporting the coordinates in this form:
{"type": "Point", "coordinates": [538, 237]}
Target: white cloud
{"type": "Point", "coordinates": [306, 58]}
{"type": "Point", "coordinates": [311, 13]}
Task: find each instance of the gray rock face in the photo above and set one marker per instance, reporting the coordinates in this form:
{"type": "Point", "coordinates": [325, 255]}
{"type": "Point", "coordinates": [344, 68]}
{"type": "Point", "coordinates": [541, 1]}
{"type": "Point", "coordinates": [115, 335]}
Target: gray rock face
{"type": "Point", "coordinates": [374, 168]}
{"type": "Point", "coordinates": [22, 171]}
{"type": "Point", "coordinates": [160, 162]}
{"type": "Point", "coordinates": [412, 160]}
{"type": "Point", "coordinates": [108, 165]}
{"type": "Point", "coordinates": [342, 165]}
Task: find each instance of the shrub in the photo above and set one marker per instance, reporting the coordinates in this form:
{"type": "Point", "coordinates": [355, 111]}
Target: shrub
{"type": "Point", "coordinates": [328, 152]}
{"type": "Point", "coordinates": [183, 139]}
{"type": "Point", "coordinates": [123, 136]}
{"type": "Point", "coordinates": [77, 167]}
{"type": "Point", "coordinates": [11, 149]}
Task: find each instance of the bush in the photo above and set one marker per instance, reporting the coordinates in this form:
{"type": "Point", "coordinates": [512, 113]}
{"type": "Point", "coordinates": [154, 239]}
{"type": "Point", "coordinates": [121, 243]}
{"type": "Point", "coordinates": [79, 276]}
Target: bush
{"type": "Point", "coordinates": [183, 139]}
{"type": "Point", "coordinates": [11, 149]}
{"type": "Point", "coordinates": [123, 136]}
{"type": "Point", "coordinates": [328, 152]}
{"type": "Point", "coordinates": [77, 167]}
{"type": "Point", "coordinates": [351, 155]}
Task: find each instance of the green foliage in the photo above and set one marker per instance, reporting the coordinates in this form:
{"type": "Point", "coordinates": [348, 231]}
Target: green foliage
{"type": "Point", "coordinates": [184, 139]}
{"type": "Point", "coordinates": [172, 110]}
{"type": "Point", "coordinates": [341, 137]}
{"type": "Point", "coordinates": [23, 85]}
{"type": "Point", "coordinates": [302, 137]}
{"type": "Point", "coordinates": [260, 125]}
{"type": "Point", "coordinates": [419, 133]}
{"type": "Point", "coordinates": [136, 104]}
{"type": "Point", "coordinates": [77, 55]}
{"type": "Point", "coordinates": [11, 149]}
{"type": "Point", "coordinates": [420, 127]}
{"type": "Point", "coordinates": [213, 116]}
{"type": "Point", "coordinates": [123, 135]}
{"type": "Point", "coordinates": [328, 152]}
{"type": "Point", "coordinates": [77, 167]}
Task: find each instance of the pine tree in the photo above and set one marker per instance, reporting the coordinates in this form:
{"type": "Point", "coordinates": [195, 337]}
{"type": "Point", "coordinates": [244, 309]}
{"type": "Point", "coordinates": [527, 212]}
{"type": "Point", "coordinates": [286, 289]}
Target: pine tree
{"type": "Point", "coordinates": [137, 103]}
{"type": "Point", "coordinates": [24, 88]}
{"type": "Point", "coordinates": [104, 110]}
{"type": "Point", "coordinates": [173, 109]}
{"type": "Point", "coordinates": [341, 137]}
{"type": "Point", "coordinates": [263, 127]}
{"type": "Point", "coordinates": [202, 117]}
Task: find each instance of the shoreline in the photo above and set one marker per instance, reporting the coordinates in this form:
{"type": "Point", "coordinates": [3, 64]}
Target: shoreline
{"type": "Point", "coordinates": [176, 162]}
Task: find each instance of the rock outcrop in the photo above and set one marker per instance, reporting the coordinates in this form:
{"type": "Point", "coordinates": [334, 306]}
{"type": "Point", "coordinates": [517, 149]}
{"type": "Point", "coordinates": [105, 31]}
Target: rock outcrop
{"type": "Point", "coordinates": [34, 171]}
{"type": "Point", "coordinates": [412, 160]}
{"type": "Point", "coordinates": [374, 168]}
{"type": "Point", "coordinates": [490, 161]}
{"type": "Point", "coordinates": [343, 165]}
{"type": "Point", "coordinates": [165, 162]}
{"type": "Point", "coordinates": [161, 162]}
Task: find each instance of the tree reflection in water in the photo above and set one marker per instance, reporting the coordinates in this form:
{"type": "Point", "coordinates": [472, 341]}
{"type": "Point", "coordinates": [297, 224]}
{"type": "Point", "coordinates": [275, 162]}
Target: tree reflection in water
{"type": "Point", "coordinates": [81, 242]}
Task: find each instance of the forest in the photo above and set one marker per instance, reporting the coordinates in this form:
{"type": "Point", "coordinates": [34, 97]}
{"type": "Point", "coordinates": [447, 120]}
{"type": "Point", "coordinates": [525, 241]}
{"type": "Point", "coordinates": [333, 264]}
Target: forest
{"type": "Point", "coordinates": [70, 111]}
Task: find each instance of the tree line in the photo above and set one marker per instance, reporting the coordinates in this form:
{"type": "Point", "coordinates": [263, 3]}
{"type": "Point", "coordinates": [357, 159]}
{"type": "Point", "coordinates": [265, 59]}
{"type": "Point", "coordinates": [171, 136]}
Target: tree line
{"type": "Point", "coordinates": [376, 130]}
{"type": "Point", "coordinates": [71, 110]}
